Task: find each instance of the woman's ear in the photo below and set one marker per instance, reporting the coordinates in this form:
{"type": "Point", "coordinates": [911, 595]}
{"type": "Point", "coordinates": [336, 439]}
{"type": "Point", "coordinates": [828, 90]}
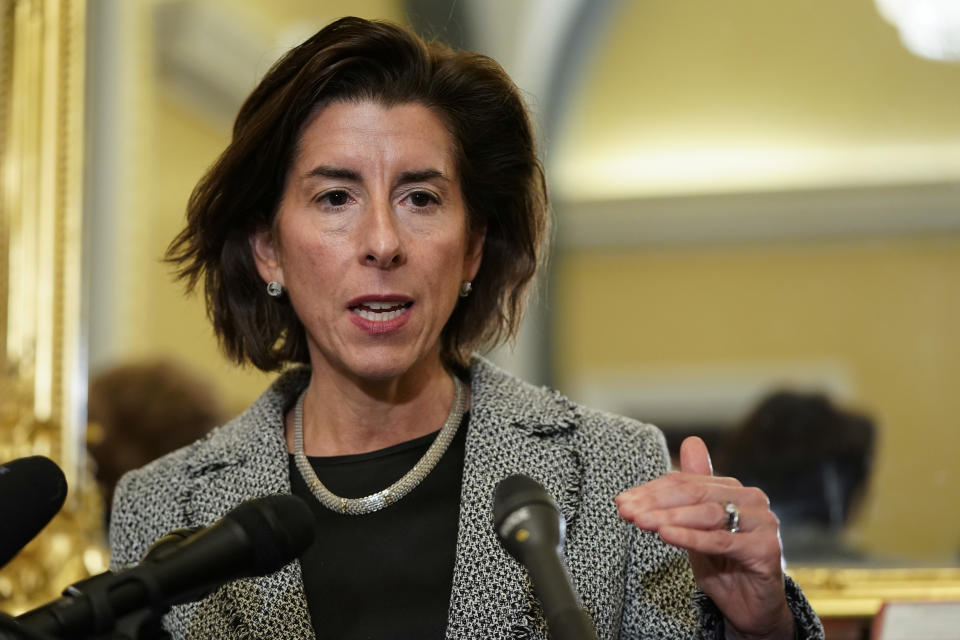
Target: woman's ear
{"type": "Point", "coordinates": [474, 256]}
{"type": "Point", "coordinates": [266, 255]}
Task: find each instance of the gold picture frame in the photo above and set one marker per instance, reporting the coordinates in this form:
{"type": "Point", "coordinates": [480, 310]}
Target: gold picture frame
{"type": "Point", "coordinates": [41, 356]}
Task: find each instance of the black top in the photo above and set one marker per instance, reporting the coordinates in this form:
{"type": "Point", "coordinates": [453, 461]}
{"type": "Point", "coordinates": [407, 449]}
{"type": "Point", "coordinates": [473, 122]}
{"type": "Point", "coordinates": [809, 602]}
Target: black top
{"type": "Point", "coordinates": [386, 574]}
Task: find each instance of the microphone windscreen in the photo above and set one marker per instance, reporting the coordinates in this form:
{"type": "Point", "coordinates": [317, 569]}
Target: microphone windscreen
{"type": "Point", "coordinates": [280, 528]}
{"type": "Point", "coordinates": [32, 490]}
{"type": "Point", "coordinates": [518, 491]}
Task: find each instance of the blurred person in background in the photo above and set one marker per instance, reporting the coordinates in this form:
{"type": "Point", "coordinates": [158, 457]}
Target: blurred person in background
{"type": "Point", "coordinates": [138, 412]}
{"type": "Point", "coordinates": [374, 222]}
{"type": "Point", "coordinates": [813, 461]}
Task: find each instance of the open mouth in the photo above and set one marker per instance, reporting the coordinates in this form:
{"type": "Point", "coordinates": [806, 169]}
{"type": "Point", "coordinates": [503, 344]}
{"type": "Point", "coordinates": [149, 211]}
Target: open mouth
{"type": "Point", "coordinates": [380, 311]}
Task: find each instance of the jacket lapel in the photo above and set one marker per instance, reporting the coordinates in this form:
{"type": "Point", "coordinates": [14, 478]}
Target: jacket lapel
{"type": "Point", "coordinates": [253, 464]}
{"type": "Point", "coordinates": [513, 428]}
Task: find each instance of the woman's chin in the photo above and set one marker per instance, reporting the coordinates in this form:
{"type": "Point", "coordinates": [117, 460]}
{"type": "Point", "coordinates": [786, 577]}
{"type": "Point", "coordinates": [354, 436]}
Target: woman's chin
{"type": "Point", "coordinates": [380, 373]}
{"type": "Point", "coordinates": [384, 367]}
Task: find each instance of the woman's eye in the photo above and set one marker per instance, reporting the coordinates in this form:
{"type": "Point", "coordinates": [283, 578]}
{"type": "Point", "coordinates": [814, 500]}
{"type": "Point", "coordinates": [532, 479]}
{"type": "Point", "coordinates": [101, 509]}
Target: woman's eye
{"type": "Point", "coordinates": [422, 199]}
{"type": "Point", "coordinates": [335, 198]}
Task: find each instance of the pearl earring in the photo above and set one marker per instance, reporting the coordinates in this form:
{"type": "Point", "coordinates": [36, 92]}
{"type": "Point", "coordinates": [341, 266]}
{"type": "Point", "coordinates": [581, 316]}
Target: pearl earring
{"type": "Point", "coordinates": [274, 288]}
{"type": "Point", "coordinates": [465, 288]}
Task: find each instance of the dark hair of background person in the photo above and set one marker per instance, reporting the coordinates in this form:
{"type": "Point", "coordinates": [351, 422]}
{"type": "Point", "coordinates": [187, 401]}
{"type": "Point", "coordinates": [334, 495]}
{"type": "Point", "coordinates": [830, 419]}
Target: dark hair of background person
{"type": "Point", "coordinates": [141, 411]}
{"type": "Point", "coordinates": [352, 59]}
{"type": "Point", "coordinates": [812, 459]}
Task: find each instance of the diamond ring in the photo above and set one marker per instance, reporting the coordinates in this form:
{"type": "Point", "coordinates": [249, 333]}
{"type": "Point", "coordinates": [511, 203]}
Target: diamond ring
{"type": "Point", "coordinates": [733, 517]}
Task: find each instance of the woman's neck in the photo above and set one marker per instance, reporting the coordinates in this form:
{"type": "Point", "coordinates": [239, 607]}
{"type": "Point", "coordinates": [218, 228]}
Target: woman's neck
{"type": "Point", "coordinates": [343, 415]}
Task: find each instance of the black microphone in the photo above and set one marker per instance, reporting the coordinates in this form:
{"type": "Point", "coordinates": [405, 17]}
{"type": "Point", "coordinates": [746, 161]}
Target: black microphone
{"type": "Point", "coordinates": [256, 538]}
{"type": "Point", "coordinates": [11, 630]}
{"type": "Point", "coordinates": [32, 490]}
{"type": "Point", "coordinates": [531, 528]}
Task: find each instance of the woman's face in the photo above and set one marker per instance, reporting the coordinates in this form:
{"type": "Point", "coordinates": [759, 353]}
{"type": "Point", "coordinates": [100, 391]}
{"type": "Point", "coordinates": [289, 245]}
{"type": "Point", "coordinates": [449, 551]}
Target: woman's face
{"type": "Point", "coordinates": [370, 241]}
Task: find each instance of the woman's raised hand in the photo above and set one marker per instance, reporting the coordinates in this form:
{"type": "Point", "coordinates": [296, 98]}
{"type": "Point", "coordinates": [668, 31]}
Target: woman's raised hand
{"type": "Point", "coordinates": [740, 570]}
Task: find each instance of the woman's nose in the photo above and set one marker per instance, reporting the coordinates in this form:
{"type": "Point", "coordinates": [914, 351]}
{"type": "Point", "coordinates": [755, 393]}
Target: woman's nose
{"type": "Point", "coordinates": [382, 246]}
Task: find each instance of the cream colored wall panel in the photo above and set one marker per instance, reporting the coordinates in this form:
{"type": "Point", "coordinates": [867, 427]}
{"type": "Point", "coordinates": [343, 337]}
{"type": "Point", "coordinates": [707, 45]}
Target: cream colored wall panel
{"type": "Point", "coordinates": [876, 318]}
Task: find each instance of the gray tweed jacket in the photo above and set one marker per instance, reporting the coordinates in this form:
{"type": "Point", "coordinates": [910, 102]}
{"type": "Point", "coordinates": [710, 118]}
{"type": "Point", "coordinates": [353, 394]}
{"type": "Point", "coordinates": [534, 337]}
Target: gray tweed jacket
{"type": "Point", "coordinates": [633, 584]}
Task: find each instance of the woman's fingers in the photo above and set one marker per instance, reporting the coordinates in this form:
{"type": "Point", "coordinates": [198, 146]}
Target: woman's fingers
{"type": "Point", "coordinates": [695, 457]}
{"type": "Point", "coordinates": [680, 489]}
{"type": "Point", "coordinates": [691, 486]}
{"type": "Point", "coordinates": [747, 547]}
{"type": "Point", "coordinates": [706, 517]}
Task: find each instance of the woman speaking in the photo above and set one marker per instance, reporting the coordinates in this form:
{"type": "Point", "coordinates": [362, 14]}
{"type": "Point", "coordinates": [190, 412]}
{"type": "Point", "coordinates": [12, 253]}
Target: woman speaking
{"type": "Point", "coordinates": [375, 220]}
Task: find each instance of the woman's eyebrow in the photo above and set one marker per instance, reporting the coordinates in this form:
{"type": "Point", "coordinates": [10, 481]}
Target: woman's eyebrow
{"type": "Point", "coordinates": [420, 175]}
{"type": "Point", "coordinates": [324, 171]}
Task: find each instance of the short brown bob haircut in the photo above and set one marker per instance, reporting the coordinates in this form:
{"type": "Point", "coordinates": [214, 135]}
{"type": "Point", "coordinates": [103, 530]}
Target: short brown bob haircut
{"type": "Point", "coordinates": [352, 60]}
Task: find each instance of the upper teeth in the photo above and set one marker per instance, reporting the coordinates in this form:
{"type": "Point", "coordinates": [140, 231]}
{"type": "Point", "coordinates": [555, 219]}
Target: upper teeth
{"type": "Point", "coordinates": [381, 306]}
{"type": "Point", "coordinates": [380, 314]}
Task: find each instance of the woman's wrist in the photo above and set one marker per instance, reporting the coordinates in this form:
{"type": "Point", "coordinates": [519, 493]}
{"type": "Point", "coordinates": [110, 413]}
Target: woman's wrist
{"type": "Point", "coordinates": [786, 629]}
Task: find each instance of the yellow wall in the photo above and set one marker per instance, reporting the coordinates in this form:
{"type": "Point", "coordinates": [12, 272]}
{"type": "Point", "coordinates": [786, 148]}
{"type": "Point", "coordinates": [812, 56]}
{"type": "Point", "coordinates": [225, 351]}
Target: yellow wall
{"type": "Point", "coordinates": [165, 150]}
{"type": "Point", "coordinates": [175, 325]}
{"type": "Point", "coordinates": [888, 309]}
